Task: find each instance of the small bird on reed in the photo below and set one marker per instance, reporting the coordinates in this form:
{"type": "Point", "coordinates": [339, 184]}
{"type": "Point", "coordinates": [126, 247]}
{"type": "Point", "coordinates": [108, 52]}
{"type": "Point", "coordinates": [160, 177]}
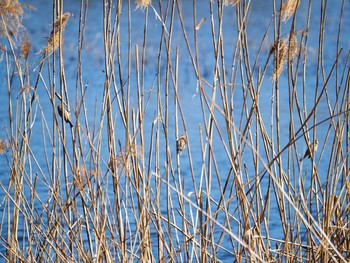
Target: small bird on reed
{"type": "Point", "coordinates": [310, 151]}
{"type": "Point", "coordinates": [65, 113]}
{"type": "Point", "coordinates": [181, 144]}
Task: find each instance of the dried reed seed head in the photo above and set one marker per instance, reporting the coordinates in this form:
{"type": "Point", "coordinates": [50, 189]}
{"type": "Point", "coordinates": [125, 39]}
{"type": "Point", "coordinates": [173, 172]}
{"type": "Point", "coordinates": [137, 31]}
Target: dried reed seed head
{"type": "Point", "coordinates": [25, 47]}
{"type": "Point", "coordinates": [3, 6]}
{"type": "Point", "coordinates": [53, 43]}
{"type": "Point", "coordinates": [4, 146]}
{"type": "Point", "coordinates": [289, 8]}
{"type": "Point", "coordinates": [293, 47]}
{"type": "Point", "coordinates": [11, 13]}
{"type": "Point", "coordinates": [280, 52]}
{"type": "Point", "coordinates": [55, 40]}
{"type": "Point", "coordinates": [231, 2]}
{"type": "Point", "coordinates": [61, 22]}
{"type": "Point", "coordinates": [143, 3]}
{"type": "Point", "coordinates": [10, 7]}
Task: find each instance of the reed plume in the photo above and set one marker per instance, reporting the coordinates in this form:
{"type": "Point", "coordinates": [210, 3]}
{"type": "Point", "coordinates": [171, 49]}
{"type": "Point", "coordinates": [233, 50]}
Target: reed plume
{"type": "Point", "coordinates": [25, 47]}
{"type": "Point", "coordinates": [288, 8]}
{"type": "Point", "coordinates": [143, 3]}
{"type": "Point", "coordinates": [279, 48]}
{"type": "Point", "coordinates": [4, 145]}
{"type": "Point", "coordinates": [293, 46]}
{"type": "Point", "coordinates": [54, 40]}
{"type": "Point", "coordinates": [11, 12]}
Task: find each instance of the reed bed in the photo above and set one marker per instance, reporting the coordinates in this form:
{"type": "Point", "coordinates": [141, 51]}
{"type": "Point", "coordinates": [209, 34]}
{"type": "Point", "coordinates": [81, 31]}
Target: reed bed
{"type": "Point", "coordinates": [134, 178]}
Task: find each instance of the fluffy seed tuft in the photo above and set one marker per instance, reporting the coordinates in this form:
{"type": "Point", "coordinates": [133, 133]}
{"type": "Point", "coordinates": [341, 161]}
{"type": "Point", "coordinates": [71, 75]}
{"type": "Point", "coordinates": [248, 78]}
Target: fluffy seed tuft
{"type": "Point", "coordinates": [289, 8]}
{"type": "Point", "coordinates": [143, 3]}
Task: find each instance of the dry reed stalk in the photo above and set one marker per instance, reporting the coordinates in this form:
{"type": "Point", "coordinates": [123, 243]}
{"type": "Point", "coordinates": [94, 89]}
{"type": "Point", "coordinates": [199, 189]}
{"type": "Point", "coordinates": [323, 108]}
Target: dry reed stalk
{"type": "Point", "coordinates": [25, 47]}
{"type": "Point", "coordinates": [143, 3]}
{"type": "Point", "coordinates": [289, 8]}
{"type": "Point", "coordinates": [54, 40]}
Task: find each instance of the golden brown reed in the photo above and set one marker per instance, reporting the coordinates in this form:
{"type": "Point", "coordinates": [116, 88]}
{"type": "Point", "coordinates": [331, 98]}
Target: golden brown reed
{"type": "Point", "coordinates": [25, 47]}
{"type": "Point", "coordinates": [11, 13]}
{"type": "Point", "coordinates": [293, 46]}
{"type": "Point", "coordinates": [54, 40]}
{"type": "Point", "coordinates": [281, 50]}
{"type": "Point", "coordinates": [143, 3]}
{"type": "Point", "coordinates": [288, 8]}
